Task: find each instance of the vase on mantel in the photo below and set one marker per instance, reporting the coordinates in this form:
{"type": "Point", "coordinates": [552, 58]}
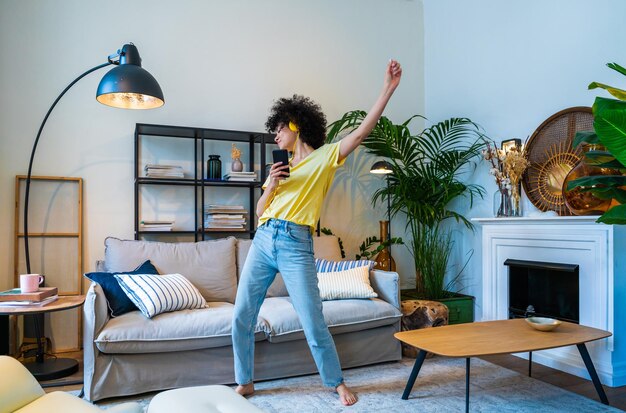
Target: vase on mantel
{"type": "Point", "coordinates": [384, 260]}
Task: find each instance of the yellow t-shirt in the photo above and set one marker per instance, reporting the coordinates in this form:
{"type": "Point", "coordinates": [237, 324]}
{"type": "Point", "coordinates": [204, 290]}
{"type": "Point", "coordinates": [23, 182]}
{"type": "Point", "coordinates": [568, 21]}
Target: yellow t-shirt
{"type": "Point", "coordinates": [299, 198]}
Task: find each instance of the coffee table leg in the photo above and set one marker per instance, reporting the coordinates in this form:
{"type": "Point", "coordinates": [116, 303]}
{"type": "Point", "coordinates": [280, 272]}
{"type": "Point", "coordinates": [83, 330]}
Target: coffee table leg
{"type": "Point", "coordinates": [592, 372]}
{"type": "Point", "coordinates": [416, 369]}
{"type": "Point", "coordinates": [467, 384]}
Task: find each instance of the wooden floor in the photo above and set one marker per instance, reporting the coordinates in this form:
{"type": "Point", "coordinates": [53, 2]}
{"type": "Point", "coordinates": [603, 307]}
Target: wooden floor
{"type": "Point", "coordinates": [616, 395]}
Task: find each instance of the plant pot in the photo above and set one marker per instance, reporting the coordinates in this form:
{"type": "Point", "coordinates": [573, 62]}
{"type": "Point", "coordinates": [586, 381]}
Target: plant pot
{"type": "Point", "coordinates": [460, 306]}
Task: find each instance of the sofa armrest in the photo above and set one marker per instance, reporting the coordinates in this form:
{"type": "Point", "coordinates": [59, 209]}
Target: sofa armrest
{"type": "Point", "coordinates": [95, 310]}
{"type": "Point", "coordinates": [387, 285]}
{"type": "Point", "coordinates": [95, 317]}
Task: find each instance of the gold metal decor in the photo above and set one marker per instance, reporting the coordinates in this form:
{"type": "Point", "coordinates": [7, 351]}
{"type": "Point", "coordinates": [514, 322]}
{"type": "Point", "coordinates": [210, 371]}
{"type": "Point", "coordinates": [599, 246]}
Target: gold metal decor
{"type": "Point", "coordinates": [551, 157]}
{"type": "Point", "coordinates": [549, 177]}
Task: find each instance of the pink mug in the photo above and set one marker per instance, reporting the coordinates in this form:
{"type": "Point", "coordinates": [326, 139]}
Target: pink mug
{"type": "Point", "coordinates": [29, 283]}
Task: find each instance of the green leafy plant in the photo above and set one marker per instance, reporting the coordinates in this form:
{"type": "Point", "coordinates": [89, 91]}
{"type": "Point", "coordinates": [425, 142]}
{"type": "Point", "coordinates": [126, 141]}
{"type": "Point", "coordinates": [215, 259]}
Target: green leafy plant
{"type": "Point", "coordinates": [365, 251]}
{"type": "Point", "coordinates": [610, 131]}
{"type": "Point", "coordinates": [426, 179]}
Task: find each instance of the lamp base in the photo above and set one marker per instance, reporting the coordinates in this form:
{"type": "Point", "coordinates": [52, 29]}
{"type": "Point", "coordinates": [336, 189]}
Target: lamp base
{"type": "Point", "coordinates": [51, 369]}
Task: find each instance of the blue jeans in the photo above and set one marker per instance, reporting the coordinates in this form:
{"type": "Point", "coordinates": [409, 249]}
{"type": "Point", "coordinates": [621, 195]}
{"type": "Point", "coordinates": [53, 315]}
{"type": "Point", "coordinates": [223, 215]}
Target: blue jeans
{"type": "Point", "coordinates": [285, 247]}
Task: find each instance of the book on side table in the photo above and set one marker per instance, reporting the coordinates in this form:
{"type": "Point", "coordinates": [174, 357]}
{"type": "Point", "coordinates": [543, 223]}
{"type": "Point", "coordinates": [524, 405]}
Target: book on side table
{"type": "Point", "coordinates": [15, 296]}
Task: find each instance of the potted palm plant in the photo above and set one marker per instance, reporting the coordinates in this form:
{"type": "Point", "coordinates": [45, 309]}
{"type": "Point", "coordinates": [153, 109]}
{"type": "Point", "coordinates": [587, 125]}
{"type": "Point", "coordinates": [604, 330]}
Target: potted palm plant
{"type": "Point", "coordinates": [427, 167]}
{"type": "Point", "coordinates": [609, 126]}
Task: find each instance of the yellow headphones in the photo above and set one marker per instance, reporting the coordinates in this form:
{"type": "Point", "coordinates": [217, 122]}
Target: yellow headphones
{"type": "Point", "coordinates": [293, 127]}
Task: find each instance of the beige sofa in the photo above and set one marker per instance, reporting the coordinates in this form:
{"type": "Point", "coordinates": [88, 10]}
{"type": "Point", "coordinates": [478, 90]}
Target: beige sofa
{"type": "Point", "coordinates": [131, 354]}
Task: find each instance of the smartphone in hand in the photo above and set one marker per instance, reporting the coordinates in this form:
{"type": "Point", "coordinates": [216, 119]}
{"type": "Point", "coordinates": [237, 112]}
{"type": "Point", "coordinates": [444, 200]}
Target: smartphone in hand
{"type": "Point", "coordinates": [281, 155]}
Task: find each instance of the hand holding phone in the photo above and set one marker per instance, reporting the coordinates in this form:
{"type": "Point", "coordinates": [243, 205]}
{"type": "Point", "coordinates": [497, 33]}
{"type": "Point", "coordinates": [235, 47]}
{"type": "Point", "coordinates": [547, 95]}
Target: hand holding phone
{"type": "Point", "coordinates": [281, 155]}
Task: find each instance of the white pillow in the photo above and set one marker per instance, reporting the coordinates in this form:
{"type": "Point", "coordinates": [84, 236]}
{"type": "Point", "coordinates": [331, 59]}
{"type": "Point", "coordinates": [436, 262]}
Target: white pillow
{"type": "Point", "coordinates": [156, 294]}
{"type": "Point", "coordinates": [350, 283]}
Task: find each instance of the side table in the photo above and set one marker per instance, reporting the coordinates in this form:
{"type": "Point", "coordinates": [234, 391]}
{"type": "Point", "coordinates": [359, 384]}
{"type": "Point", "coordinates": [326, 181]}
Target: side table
{"type": "Point", "coordinates": [48, 369]}
{"type": "Point", "coordinates": [418, 314]}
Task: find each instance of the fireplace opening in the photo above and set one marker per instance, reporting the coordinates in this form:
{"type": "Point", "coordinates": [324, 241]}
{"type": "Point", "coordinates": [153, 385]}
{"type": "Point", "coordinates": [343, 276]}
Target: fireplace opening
{"type": "Point", "coordinates": [543, 289]}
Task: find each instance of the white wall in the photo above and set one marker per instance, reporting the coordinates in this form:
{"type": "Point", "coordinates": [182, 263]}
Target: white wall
{"type": "Point", "coordinates": [220, 65]}
{"type": "Point", "coordinates": [509, 65]}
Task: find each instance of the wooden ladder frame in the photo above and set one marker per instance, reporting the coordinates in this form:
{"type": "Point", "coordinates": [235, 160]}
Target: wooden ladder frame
{"type": "Point", "coordinates": [18, 238]}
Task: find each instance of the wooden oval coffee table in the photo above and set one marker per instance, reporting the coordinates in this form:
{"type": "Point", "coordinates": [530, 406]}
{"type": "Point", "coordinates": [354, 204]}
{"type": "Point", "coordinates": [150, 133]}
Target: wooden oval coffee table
{"type": "Point", "coordinates": [52, 368]}
{"type": "Point", "coordinates": [498, 337]}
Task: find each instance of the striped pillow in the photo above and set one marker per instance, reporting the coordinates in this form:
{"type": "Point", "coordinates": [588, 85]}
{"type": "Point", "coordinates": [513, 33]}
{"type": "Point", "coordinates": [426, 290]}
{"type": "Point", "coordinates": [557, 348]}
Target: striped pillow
{"type": "Point", "coordinates": [322, 265]}
{"type": "Point", "coordinates": [351, 283]}
{"type": "Point", "coordinates": [156, 294]}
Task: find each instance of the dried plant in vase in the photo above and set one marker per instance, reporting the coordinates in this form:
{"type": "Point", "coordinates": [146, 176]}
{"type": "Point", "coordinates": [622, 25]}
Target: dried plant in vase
{"type": "Point", "coordinates": [235, 154]}
{"type": "Point", "coordinates": [507, 167]}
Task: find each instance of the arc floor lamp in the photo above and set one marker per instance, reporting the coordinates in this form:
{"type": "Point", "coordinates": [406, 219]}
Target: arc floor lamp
{"type": "Point", "coordinates": [126, 86]}
{"type": "Point", "coordinates": [385, 168]}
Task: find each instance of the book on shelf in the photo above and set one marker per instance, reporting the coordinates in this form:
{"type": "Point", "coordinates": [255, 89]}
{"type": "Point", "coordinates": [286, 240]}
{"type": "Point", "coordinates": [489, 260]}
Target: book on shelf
{"type": "Point", "coordinates": [27, 303]}
{"type": "Point", "coordinates": [164, 171]}
{"type": "Point", "coordinates": [222, 229]}
{"type": "Point", "coordinates": [241, 176]}
{"type": "Point", "coordinates": [17, 295]}
{"type": "Point", "coordinates": [157, 222]}
{"type": "Point", "coordinates": [154, 229]}
{"type": "Point", "coordinates": [220, 215]}
{"type": "Point", "coordinates": [220, 206]}
{"type": "Point", "coordinates": [156, 225]}
{"type": "Point", "coordinates": [225, 223]}
{"type": "Point", "coordinates": [224, 209]}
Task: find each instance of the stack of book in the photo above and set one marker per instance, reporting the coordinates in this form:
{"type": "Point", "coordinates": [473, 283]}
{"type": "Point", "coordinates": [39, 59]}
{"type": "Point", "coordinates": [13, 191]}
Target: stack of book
{"type": "Point", "coordinates": [240, 176]}
{"type": "Point", "coordinates": [156, 225]}
{"type": "Point", "coordinates": [225, 218]}
{"type": "Point", "coordinates": [164, 171]}
{"type": "Point", "coordinates": [16, 298]}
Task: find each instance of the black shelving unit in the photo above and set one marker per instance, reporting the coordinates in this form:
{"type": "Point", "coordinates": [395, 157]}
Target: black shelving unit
{"type": "Point", "coordinates": [200, 137]}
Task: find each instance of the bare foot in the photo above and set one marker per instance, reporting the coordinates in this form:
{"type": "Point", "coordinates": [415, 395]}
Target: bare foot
{"type": "Point", "coordinates": [246, 389]}
{"type": "Point", "coordinates": [345, 395]}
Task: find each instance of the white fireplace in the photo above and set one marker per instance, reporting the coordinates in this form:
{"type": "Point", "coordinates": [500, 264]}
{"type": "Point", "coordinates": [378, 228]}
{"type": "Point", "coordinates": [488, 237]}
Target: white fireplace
{"type": "Point", "coordinates": [567, 240]}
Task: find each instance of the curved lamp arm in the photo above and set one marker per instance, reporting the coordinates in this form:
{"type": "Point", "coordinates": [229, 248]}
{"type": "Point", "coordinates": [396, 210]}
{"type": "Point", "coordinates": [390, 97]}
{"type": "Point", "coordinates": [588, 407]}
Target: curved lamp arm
{"type": "Point", "coordinates": [32, 157]}
{"type": "Point", "coordinates": [127, 86]}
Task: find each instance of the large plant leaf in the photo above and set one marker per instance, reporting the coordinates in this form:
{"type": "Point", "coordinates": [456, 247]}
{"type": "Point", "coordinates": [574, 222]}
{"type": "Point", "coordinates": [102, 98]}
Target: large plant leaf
{"type": "Point", "coordinates": [617, 68]}
{"type": "Point", "coordinates": [607, 193]}
{"type": "Point", "coordinates": [615, 215]}
{"type": "Point", "coordinates": [595, 180]}
{"type": "Point", "coordinates": [602, 159]}
{"type": "Point", "coordinates": [585, 137]}
{"type": "Point", "coordinates": [610, 126]}
{"type": "Point", "coordinates": [618, 93]}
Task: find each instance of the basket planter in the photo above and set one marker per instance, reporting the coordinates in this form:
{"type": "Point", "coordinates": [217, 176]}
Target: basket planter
{"type": "Point", "coordinates": [460, 306]}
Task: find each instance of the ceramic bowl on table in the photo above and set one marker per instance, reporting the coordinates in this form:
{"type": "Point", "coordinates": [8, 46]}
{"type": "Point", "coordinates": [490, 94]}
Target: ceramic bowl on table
{"type": "Point", "coordinates": [543, 323]}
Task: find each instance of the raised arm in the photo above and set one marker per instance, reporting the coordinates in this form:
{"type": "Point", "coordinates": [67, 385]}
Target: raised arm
{"type": "Point", "coordinates": [393, 73]}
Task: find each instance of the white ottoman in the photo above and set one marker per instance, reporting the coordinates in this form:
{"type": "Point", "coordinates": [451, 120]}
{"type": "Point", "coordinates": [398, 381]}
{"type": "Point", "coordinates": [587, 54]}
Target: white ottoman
{"type": "Point", "coordinates": [209, 399]}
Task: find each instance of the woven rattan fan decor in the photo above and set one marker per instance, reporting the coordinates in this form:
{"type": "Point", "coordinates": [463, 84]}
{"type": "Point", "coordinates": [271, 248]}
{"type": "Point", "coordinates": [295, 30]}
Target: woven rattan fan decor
{"type": "Point", "coordinates": [551, 157]}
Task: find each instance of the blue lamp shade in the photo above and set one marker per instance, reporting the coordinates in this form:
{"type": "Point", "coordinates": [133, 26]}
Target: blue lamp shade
{"type": "Point", "coordinates": [128, 85]}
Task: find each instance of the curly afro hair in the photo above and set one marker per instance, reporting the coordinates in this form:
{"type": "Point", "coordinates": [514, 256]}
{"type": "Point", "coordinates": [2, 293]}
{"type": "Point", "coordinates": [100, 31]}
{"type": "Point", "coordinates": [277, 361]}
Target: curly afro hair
{"type": "Point", "coordinates": [303, 112]}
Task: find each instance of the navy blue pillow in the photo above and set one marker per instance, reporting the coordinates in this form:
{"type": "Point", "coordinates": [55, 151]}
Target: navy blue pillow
{"type": "Point", "coordinates": [119, 303]}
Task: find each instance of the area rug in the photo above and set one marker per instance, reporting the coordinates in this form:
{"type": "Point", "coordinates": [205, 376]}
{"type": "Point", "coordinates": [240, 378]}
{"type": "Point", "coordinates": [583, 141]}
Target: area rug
{"type": "Point", "coordinates": [440, 387]}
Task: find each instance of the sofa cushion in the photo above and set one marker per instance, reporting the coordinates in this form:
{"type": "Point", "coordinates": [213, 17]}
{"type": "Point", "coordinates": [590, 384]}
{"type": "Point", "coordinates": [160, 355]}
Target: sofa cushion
{"type": "Point", "coordinates": [209, 265]}
{"type": "Point", "coordinates": [322, 265]}
{"type": "Point", "coordinates": [341, 285]}
{"type": "Point", "coordinates": [327, 247]}
{"type": "Point", "coordinates": [176, 331]}
{"type": "Point", "coordinates": [117, 300]}
{"type": "Point", "coordinates": [341, 316]}
{"type": "Point", "coordinates": [156, 294]}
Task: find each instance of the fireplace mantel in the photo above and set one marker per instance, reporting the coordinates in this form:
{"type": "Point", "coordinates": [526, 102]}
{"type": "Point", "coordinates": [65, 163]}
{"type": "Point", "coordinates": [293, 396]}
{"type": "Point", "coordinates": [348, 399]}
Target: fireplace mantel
{"type": "Point", "coordinates": [569, 240]}
{"type": "Point", "coordinates": [540, 219]}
